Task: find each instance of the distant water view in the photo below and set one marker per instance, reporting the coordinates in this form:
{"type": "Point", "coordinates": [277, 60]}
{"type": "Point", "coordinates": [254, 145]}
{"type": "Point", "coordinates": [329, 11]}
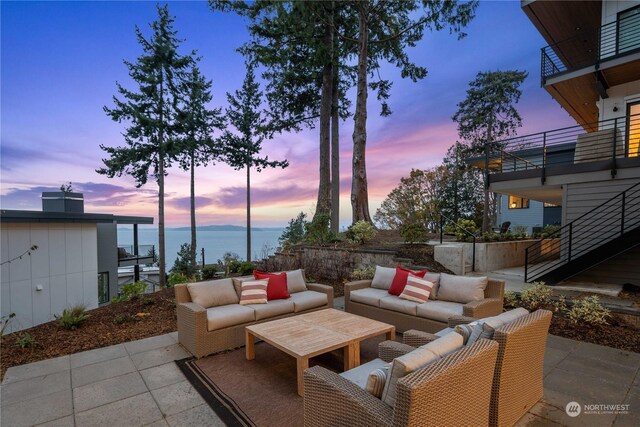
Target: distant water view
{"type": "Point", "coordinates": [215, 242]}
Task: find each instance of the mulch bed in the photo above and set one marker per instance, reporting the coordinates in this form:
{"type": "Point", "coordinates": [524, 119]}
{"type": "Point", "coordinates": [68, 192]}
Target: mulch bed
{"type": "Point", "coordinates": [617, 334]}
{"type": "Point", "coordinates": [108, 325]}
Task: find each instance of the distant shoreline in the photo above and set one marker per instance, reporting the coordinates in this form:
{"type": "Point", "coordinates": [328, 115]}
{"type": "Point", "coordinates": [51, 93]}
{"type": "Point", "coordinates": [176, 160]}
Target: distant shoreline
{"type": "Point", "coordinates": [214, 228]}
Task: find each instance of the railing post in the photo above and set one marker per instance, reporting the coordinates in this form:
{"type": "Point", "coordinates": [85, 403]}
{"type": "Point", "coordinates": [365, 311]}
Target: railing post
{"type": "Point", "coordinates": [622, 214]}
{"type": "Point", "coordinates": [544, 157]}
{"type": "Point", "coordinates": [615, 143]}
{"type": "Point", "coordinates": [441, 227]}
{"type": "Point", "coordinates": [570, 239]}
{"type": "Point", "coordinates": [473, 260]}
{"type": "Point", "coordinates": [526, 264]}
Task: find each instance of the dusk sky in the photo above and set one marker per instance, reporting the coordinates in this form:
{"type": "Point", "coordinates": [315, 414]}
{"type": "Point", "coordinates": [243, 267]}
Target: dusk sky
{"type": "Point", "coordinates": [60, 62]}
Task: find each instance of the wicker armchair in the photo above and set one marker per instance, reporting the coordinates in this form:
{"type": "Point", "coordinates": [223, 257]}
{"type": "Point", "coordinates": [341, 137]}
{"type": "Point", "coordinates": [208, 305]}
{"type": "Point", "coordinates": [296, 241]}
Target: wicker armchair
{"type": "Point", "coordinates": [455, 391]}
{"type": "Point", "coordinates": [517, 384]}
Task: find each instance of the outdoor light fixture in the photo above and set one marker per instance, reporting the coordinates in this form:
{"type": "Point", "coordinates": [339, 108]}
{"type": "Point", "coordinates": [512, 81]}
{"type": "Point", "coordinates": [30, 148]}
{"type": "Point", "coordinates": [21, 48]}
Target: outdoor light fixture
{"type": "Point", "coordinates": [513, 205]}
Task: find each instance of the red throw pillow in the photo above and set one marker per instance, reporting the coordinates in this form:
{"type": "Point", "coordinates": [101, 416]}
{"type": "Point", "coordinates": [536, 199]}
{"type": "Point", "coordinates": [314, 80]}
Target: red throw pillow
{"type": "Point", "coordinates": [277, 287]}
{"type": "Point", "coordinates": [400, 279]}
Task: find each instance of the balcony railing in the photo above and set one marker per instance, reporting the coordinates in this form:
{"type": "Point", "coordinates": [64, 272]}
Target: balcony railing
{"type": "Point", "coordinates": [127, 256]}
{"type": "Point", "coordinates": [592, 47]}
{"type": "Point", "coordinates": [615, 139]}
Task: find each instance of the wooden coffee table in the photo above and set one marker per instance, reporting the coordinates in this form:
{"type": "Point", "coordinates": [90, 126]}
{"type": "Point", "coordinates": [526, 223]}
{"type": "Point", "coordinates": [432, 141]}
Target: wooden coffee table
{"type": "Point", "coordinates": [311, 334]}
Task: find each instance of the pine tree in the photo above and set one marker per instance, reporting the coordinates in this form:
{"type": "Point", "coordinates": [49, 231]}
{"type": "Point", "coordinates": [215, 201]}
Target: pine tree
{"type": "Point", "coordinates": [150, 114]}
{"type": "Point", "coordinates": [243, 147]}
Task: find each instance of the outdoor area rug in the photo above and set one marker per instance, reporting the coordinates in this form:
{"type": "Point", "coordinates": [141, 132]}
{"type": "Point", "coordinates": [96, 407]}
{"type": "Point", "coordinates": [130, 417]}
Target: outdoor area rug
{"type": "Point", "coordinates": [259, 392]}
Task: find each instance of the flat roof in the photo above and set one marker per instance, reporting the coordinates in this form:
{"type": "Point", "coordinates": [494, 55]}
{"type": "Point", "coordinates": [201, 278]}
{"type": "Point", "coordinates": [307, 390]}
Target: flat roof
{"type": "Point", "coordinates": [7, 215]}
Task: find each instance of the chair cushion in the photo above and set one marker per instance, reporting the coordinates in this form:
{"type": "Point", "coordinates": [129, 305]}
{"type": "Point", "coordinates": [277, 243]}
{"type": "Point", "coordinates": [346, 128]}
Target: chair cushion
{"type": "Point", "coordinates": [417, 359]}
{"type": "Point", "coordinates": [359, 374]}
{"type": "Point", "coordinates": [394, 303]}
{"type": "Point", "coordinates": [383, 277]}
{"type": "Point", "coordinates": [277, 288]}
{"type": "Point", "coordinates": [254, 292]}
{"type": "Point", "coordinates": [306, 300]}
{"type": "Point", "coordinates": [400, 279]}
{"type": "Point", "coordinates": [485, 328]}
{"type": "Point", "coordinates": [462, 289]}
{"type": "Point", "coordinates": [369, 296]}
{"type": "Point", "coordinates": [229, 315]}
{"type": "Point", "coordinates": [435, 279]}
{"type": "Point", "coordinates": [417, 290]}
{"type": "Point", "coordinates": [444, 332]}
{"type": "Point", "coordinates": [465, 331]}
{"type": "Point", "coordinates": [277, 307]}
{"type": "Point", "coordinates": [213, 293]}
{"type": "Point", "coordinates": [295, 281]}
{"type": "Point", "coordinates": [439, 310]}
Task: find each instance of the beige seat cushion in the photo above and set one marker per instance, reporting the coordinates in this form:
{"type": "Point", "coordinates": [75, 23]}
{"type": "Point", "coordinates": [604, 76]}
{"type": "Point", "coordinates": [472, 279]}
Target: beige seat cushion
{"type": "Point", "coordinates": [229, 315]}
{"type": "Point", "coordinates": [435, 279]}
{"type": "Point", "coordinates": [369, 296]}
{"type": "Point", "coordinates": [307, 300]}
{"type": "Point", "coordinates": [394, 303]}
{"type": "Point", "coordinates": [295, 281]}
{"type": "Point", "coordinates": [446, 344]}
{"type": "Point", "coordinates": [462, 289]}
{"type": "Point", "coordinates": [213, 293]}
{"type": "Point", "coordinates": [439, 310]}
{"type": "Point", "coordinates": [485, 328]}
{"type": "Point", "coordinates": [359, 374]}
{"type": "Point", "coordinates": [276, 307]}
{"type": "Point", "coordinates": [383, 277]}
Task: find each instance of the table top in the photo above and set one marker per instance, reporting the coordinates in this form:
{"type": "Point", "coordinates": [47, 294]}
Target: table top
{"type": "Point", "coordinates": [311, 334]}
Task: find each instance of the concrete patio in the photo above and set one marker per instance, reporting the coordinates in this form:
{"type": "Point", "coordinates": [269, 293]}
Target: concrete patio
{"type": "Point", "coordinates": [137, 383]}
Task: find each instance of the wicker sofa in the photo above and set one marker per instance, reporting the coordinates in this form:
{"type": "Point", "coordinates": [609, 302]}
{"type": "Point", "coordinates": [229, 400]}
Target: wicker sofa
{"type": "Point", "coordinates": [517, 382]}
{"type": "Point", "coordinates": [204, 331]}
{"type": "Point", "coordinates": [453, 391]}
{"type": "Point", "coordinates": [362, 299]}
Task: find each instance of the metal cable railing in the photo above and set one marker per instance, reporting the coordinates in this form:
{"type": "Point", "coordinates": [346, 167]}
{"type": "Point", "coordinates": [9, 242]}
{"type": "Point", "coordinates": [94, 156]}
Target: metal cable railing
{"type": "Point", "coordinates": [602, 224]}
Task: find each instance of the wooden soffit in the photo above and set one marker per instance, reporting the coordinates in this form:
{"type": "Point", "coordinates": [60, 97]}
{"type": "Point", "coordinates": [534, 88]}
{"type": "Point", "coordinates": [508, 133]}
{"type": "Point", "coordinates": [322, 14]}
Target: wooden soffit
{"type": "Point", "coordinates": [579, 96]}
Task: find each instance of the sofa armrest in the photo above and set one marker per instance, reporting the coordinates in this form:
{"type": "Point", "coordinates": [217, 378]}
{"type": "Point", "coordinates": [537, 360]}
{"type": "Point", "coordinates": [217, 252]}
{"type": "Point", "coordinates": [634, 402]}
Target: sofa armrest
{"type": "Point", "coordinates": [484, 308]}
{"type": "Point", "coordinates": [325, 289]}
{"type": "Point", "coordinates": [416, 338]}
{"type": "Point", "coordinates": [331, 400]}
{"type": "Point", "coordinates": [389, 350]}
{"type": "Point", "coordinates": [192, 326]}
{"type": "Point", "coordinates": [354, 286]}
{"type": "Point", "coordinates": [460, 320]}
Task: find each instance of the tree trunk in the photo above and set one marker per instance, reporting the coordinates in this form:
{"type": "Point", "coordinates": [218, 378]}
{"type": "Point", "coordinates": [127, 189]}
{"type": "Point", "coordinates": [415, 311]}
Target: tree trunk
{"type": "Point", "coordinates": [193, 212]}
{"type": "Point", "coordinates": [335, 151]}
{"type": "Point", "coordinates": [359, 191]}
{"type": "Point", "coordinates": [486, 219]}
{"type": "Point", "coordinates": [248, 212]}
{"type": "Point", "coordinates": [323, 206]}
{"type": "Point", "coordinates": [161, 251]}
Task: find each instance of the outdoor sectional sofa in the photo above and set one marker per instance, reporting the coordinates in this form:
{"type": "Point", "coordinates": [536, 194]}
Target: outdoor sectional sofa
{"type": "Point", "coordinates": [370, 298]}
{"type": "Point", "coordinates": [220, 325]}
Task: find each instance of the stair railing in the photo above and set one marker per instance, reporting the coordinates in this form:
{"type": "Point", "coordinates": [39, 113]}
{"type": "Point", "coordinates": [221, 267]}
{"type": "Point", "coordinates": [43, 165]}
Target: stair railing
{"type": "Point", "coordinates": [605, 222]}
{"type": "Point", "coordinates": [444, 220]}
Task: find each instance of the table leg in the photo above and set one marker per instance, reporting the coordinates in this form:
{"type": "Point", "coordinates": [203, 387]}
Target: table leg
{"type": "Point", "coordinates": [249, 345]}
{"type": "Point", "coordinates": [352, 355]}
{"type": "Point", "coordinates": [303, 363]}
{"type": "Point", "coordinates": [391, 335]}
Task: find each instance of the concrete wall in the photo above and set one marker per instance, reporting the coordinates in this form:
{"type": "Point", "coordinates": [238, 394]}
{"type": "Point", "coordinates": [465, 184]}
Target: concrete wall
{"type": "Point", "coordinates": [108, 254]}
{"type": "Point", "coordinates": [496, 255]}
{"type": "Point", "coordinates": [65, 266]}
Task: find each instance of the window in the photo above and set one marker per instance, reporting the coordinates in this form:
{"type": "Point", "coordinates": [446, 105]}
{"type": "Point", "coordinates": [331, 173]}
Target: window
{"type": "Point", "coordinates": [103, 287]}
{"type": "Point", "coordinates": [633, 129]}
{"type": "Point", "coordinates": [516, 202]}
{"type": "Point", "coordinates": [628, 36]}
{"type": "Point", "coordinates": [550, 205]}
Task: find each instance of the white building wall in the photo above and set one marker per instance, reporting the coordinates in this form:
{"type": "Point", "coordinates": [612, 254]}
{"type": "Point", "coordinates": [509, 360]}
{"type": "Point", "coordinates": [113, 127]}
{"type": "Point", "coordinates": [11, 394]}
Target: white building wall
{"type": "Point", "coordinates": [610, 9]}
{"type": "Point", "coordinates": [619, 97]}
{"type": "Point", "coordinates": [65, 265]}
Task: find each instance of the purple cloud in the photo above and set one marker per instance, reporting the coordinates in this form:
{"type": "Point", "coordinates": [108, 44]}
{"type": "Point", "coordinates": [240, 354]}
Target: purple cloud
{"type": "Point", "coordinates": [236, 197]}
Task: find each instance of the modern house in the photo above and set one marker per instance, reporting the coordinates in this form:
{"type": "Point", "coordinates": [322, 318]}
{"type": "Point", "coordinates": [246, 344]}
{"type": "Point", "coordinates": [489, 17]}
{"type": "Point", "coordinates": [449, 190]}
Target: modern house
{"type": "Point", "coordinates": [591, 67]}
{"type": "Point", "coordinates": [76, 260]}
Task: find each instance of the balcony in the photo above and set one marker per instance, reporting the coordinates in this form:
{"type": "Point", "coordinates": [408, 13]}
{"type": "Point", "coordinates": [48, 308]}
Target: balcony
{"type": "Point", "coordinates": [128, 256]}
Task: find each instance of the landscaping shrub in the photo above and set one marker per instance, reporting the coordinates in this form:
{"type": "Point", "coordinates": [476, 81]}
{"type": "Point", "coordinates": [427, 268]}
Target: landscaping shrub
{"type": "Point", "coordinates": [25, 340]}
{"type": "Point", "coordinates": [177, 278]}
{"type": "Point", "coordinates": [317, 232]}
{"type": "Point", "coordinates": [210, 271]}
{"type": "Point", "coordinates": [413, 233]}
{"type": "Point", "coordinates": [519, 229]}
{"type": "Point", "coordinates": [130, 291]}
{"type": "Point", "coordinates": [185, 263]}
{"type": "Point", "coordinates": [467, 224]}
{"type": "Point", "coordinates": [361, 232]}
{"type": "Point", "coordinates": [537, 296]}
{"type": "Point", "coordinates": [589, 311]}
{"type": "Point", "coordinates": [294, 232]}
{"type": "Point", "coordinates": [510, 300]}
{"type": "Point", "coordinates": [73, 317]}
{"type": "Point", "coordinates": [365, 273]}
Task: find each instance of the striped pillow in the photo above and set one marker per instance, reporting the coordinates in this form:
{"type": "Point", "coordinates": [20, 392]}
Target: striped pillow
{"type": "Point", "coordinates": [376, 380]}
{"type": "Point", "coordinates": [417, 289]}
{"type": "Point", "coordinates": [254, 292]}
{"type": "Point", "coordinates": [465, 331]}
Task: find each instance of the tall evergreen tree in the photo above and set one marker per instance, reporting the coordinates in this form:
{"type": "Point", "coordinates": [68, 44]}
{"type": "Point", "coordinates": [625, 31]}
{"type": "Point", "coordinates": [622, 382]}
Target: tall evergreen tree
{"type": "Point", "coordinates": [196, 146]}
{"type": "Point", "coordinates": [461, 193]}
{"type": "Point", "coordinates": [242, 148]}
{"type": "Point", "coordinates": [150, 114]}
{"type": "Point", "coordinates": [489, 113]}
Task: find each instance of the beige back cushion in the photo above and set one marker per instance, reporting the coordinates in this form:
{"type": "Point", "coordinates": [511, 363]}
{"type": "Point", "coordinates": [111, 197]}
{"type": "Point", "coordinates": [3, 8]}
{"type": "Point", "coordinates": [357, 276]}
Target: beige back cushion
{"type": "Point", "coordinates": [435, 279]}
{"type": "Point", "coordinates": [462, 289]}
{"type": "Point", "coordinates": [484, 328]}
{"type": "Point", "coordinates": [295, 281]}
{"type": "Point", "coordinates": [383, 277]}
{"type": "Point", "coordinates": [213, 293]}
{"type": "Point", "coordinates": [237, 283]}
{"type": "Point", "coordinates": [417, 359]}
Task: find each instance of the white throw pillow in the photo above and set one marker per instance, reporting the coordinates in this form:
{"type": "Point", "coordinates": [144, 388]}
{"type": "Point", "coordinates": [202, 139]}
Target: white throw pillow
{"type": "Point", "coordinates": [213, 293]}
{"type": "Point", "coordinates": [295, 281]}
{"type": "Point", "coordinates": [462, 289]}
{"type": "Point", "coordinates": [485, 328]}
{"type": "Point", "coordinates": [435, 279]}
{"type": "Point", "coordinates": [383, 277]}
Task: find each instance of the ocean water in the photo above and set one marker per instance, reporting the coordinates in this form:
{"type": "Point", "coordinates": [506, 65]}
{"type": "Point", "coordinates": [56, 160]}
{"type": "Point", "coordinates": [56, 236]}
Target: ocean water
{"type": "Point", "coordinates": [215, 243]}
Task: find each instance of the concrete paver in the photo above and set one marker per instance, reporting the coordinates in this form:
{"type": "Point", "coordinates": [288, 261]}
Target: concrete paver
{"type": "Point", "coordinates": [38, 410]}
{"type": "Point", "coordinates": [35, 387]}
{"type": "Point", "coordinates": [161, 376]}
{"type": "Point", "coordinates": [36, 369]}
{"type": "Point", "coordinates": [133, 411]}
{"type": "Point", "coordinates": [97, 355]}
{"type": "Point", "coordinates": [151, 343]}
{"type": "Point", "coordinates": [159, 356]}
{"type": "Point", "coordinates": [101, 371]}
{"type": "Point", "coordinates": [107, 391]}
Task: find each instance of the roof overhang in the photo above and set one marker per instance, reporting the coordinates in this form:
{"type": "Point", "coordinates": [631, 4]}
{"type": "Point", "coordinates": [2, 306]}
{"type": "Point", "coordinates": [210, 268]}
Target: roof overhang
{"type": "Point", "coordinates": [17, 216]}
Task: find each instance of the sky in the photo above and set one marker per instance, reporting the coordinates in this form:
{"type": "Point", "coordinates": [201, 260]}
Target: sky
{"type": "Point", "coordinates": [59, 63]}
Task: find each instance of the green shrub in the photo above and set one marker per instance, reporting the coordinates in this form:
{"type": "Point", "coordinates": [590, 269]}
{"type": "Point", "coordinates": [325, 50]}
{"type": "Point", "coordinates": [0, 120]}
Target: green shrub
{"type": "Point", "coordinates": [537, 296]}
{"type": "Point", "coordinates": [317, 231]}
{"type": "Point", "coordinates": [510, 299]}
{"type": "Point", "coordinates": [413, 233]}
{"type": "Point", "coordinates": [361, 232]}
{"type": "Point", "coordinates": [25, 340]}
{"type": "Point", "coordinates": [210, 271]}
{"type": "Point", "coordinates": [185, 262]}
{"type": "Point", "coordinates": [130, 291]}
{"type": "Point", "coordinates": [73, 317]}
{"type": "Point", "coordinates": [467, 224]}
{"type": "Point", "coordinates": [550, 229]}
{"type": "Point", "coordinates": [519, 229]}
{"type": "Point", "coordinates": [294, 232]}
{"type": "Point", "coordinates": [177, 278]}
{"type": "Point", "coordinates": [365, 273]}
{"type": "Point", "coordinates": [589, 311]}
